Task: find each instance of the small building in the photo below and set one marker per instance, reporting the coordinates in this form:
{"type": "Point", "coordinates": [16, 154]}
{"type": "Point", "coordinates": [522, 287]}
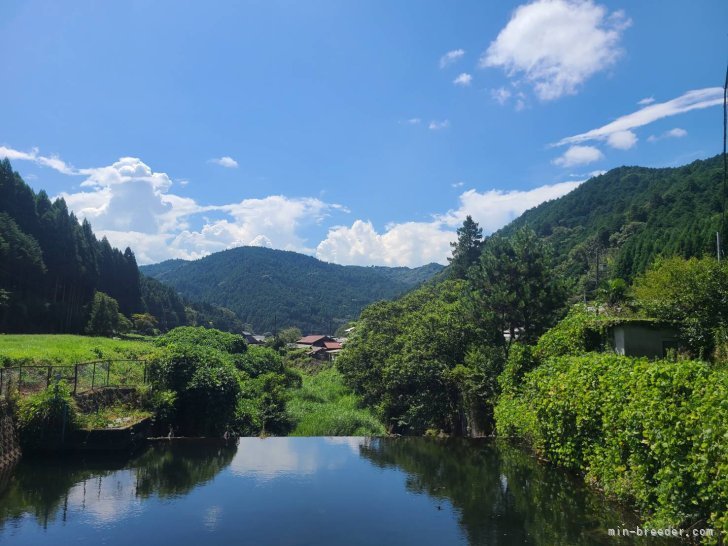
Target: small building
{"type": "Point", "coordinates": [643, 338]}
{"type": "Point", "coordinates": [251, 339]}
{"type": "Point", "coordinates": [321, 347]}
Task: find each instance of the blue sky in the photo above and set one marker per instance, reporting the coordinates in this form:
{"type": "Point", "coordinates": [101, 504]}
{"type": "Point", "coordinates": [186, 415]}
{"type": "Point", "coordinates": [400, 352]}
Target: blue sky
{"type": "Point", "coordinates": [361, 132]}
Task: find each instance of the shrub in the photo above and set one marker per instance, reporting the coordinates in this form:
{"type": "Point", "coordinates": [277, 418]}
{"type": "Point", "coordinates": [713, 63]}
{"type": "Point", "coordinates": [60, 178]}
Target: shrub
{"type": "Point", "coordinates": [259, 360]}
{"type": "Point", "coordinates": [204, 338]}
{"type": "Point", "coordinates": [44, 418]}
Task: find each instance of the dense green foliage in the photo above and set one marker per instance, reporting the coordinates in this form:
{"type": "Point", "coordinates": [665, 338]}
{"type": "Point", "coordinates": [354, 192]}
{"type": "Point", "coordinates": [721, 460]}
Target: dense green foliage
{"type": "Point", "coordinates": [431, 359]}
{"type": "Point", "coordinates": [43, 419]}
{"type": "Point", "coordinates": [323, 406]}
{"type": "Point", "coordinates": [694, 294]}
{"type": "Point", "coordinates": [207, 382]}
{"type": "Point", "coordinates": [654, 432]}
{"type": "Point", "coordinates": [273, 289]}
{"type": "Point", "coordinates": [625, 218]}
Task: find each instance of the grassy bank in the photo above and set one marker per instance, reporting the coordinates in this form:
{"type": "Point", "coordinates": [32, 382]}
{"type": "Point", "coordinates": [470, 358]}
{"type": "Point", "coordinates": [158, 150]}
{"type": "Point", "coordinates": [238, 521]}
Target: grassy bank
{"type": "Point", "coordinates": [323, 406]}
{"type": "Point", "coordinates": [67, 349]}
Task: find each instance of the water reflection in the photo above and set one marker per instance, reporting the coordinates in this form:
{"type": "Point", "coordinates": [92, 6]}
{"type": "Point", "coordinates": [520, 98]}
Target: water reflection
{"type": "Point", "coordinates": [306, 491]}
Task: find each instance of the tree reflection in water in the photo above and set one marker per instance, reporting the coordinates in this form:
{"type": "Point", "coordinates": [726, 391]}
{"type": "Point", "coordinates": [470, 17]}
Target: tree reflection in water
{"type": "Point", "coordinates": [46, 488]}
{"type": "Point", "coordinates": [500, 491]}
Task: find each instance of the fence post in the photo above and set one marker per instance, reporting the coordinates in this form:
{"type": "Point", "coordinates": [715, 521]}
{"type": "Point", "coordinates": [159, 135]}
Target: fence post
{"type": "Point", "coordinates": [108, 371]}
{"type": "Point", "coordinates": [48, 377]}
{"type": "Point", "coordinates": [75, 378]}
{"type": "Point", "coordinates": [20, 376]}
{"type": "Point", "coordinates": [1, 381]}
{"type": "Point", "coordinates": [93, 376]}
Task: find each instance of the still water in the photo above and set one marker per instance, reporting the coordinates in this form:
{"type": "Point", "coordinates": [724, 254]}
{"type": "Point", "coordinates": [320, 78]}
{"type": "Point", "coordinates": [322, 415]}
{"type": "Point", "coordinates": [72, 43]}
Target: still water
{"type": "Point", "coordinates": [304, 491]}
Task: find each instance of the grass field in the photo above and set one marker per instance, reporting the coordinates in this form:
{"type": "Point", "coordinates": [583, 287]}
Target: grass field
{"type": "Point", "coordinates": [27, 349]}
{"type": "Point", "coordinates": [323, 406]}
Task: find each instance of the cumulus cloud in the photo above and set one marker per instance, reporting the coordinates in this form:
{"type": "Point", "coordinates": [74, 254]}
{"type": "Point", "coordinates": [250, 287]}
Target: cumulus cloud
{"type": "Point", "coordinates": [692, 100]}
{"type": "Point", "coordinates": [463, 79]}
{"type": "Point", "coordinates": [622, 140]}
{"type": "Point", "coordinates": [225, 161]}
{"type": "Point", "coordinates": [417, 243]}
{"type": "Point", "coordinates": [556, 45]}
{"type": "Point", "coordinates": [450, 57]}
{"type": "Point", "coordinates": [578, 155]}
{"type": "Point", "coordinates": [437, 125]}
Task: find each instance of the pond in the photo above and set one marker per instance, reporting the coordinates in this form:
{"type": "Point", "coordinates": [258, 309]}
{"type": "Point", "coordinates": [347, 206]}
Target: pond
{"type": "Point", "coordinates": [305, 491]}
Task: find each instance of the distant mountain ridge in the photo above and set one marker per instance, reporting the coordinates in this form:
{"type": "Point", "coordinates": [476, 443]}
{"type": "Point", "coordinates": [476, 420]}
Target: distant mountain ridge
{"type": "Point", "coordinates": [272, 289]}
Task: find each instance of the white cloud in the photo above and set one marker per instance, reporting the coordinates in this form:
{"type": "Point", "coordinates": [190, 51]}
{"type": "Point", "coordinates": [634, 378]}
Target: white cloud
{"type": "Point", "coordinates": [450, 57]}
{"type": "Point", "coordinates": [646, 101]}
{"type": "Point", "coordinates": [47, 161]}
{"type": "Point", "coordinates": [437, 125]}
{"type": "Point", "coordinates": [225, 161]}
{"type": "Point", "coordinates": [458, 184]}
{"type": "Point", "coordinates": [578, 155]}
{"type": "Point", "coordinates": [692, 100]}
{"type": "Point", "coordinates": [417, 243]}
{"type": "Point", "coordinates": [413, 121]}
{"type": "Point", "coordinates": [677, 132]}
{"type": "Point", "coordinates": [463, 79]}
{"type": "Point", "coordinates": [622, 140]}
{"type": "Point", "coordinates": [556, 45]}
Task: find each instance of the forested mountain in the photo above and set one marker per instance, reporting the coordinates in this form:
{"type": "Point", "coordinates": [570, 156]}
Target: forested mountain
{"type": "Point", "coordinates": [625, 218]}
{"type": "Point", "coordinates": [274, 288]}
{"type": "Point", "coordinates": [51, 265]}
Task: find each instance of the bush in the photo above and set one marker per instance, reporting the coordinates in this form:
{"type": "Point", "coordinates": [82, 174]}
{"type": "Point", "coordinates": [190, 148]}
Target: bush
{"type": "Point", "coordinates": [44, 418]}
{"type": "Point", "coordinates": [204, 338]}
{"type": "Point", "coordinates": [206, 384]}
{"type": "Point", "coordinates": [259, 360]}
{"type": "Point", "coordinates": [652, 432]}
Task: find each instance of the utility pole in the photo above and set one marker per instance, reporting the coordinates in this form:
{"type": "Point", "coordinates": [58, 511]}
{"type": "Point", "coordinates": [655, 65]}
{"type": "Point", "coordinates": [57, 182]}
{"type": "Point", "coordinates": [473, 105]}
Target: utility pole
{"type": "Point", "coordinates": [725, 158]}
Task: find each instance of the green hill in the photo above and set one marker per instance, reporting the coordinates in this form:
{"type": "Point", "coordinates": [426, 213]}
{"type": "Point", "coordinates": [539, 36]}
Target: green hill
{"type": "Point", "coordinates": [629, 216]}
{"type": "Point", "coordinates": [271, 289]}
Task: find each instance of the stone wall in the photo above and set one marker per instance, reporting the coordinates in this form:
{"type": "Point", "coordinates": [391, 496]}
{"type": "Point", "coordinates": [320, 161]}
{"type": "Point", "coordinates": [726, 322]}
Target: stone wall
{"type": "Point", "coordinates": [9, 445]}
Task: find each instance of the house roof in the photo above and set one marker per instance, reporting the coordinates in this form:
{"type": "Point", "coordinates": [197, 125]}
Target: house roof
{"type": "Point", "coordinates": [332, 345]}
{"type": "Point", "coordinates": [310, 340]}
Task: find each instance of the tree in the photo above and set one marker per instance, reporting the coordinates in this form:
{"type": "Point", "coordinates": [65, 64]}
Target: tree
{"type": "Point", "coordinates": [104, 319]}
{"type": "Point", "coordinates": [466, 250]}
{"type": "Point", "coordinates": [515, 291]}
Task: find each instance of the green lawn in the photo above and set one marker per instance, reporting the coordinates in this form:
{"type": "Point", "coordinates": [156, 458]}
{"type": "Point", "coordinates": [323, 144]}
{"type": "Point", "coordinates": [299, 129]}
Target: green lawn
{"type": "Point", "coordinates": [323, 406]}
{"type": "Point", "coordinates": [29, 349]}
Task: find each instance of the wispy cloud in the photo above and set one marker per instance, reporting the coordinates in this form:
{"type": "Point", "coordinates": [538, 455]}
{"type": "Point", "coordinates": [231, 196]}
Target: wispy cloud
{"type": "Point", "coordinates": [677, 132]}
{"type": "Point", "coordinates": [450, 57]}
{"type": "Point", "coordinates": [225, 161]}
{"type": "Point", "coordinates": [582, 40]}
{"type": "Point", "coordinates": [463, 79]}
{"type": "Point", "coordinates": [692, 100]}
{"type": "Point", "coordinates": [646, 101]}
{"type": "Point", "coordinates": [438, 125]}
{"type": "Point", "coordinates": [54, 162]}
{"type": "Point", "coordinates": [412, 121]}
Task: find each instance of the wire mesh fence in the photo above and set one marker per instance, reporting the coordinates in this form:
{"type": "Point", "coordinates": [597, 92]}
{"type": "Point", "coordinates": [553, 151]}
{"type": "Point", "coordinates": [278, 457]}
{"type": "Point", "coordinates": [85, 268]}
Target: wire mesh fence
{"type": "Point", "coordinates": [81, 377]}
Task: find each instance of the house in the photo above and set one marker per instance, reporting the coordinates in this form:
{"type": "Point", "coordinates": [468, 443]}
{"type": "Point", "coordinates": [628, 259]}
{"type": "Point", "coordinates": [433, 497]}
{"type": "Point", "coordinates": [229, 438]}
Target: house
{"type": "Point", "coordinates": [321, 347]}
{"type": "Point", "coordinates": [251, 339]}
{"type": "Point", "coordinates": [643, 338]}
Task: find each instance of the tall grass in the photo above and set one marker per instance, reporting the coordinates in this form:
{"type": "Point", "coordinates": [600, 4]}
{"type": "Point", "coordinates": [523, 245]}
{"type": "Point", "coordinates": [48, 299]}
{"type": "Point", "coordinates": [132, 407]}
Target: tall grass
{"type": "Point", "coordinates": [323, 406]}
{"type": "Point", "coordinates": [67, 349]}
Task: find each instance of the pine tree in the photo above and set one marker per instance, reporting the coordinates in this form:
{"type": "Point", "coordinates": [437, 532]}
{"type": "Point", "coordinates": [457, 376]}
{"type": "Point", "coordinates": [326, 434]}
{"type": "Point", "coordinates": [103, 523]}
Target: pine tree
{"type": "Point", "coordinates": [466, 250]}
